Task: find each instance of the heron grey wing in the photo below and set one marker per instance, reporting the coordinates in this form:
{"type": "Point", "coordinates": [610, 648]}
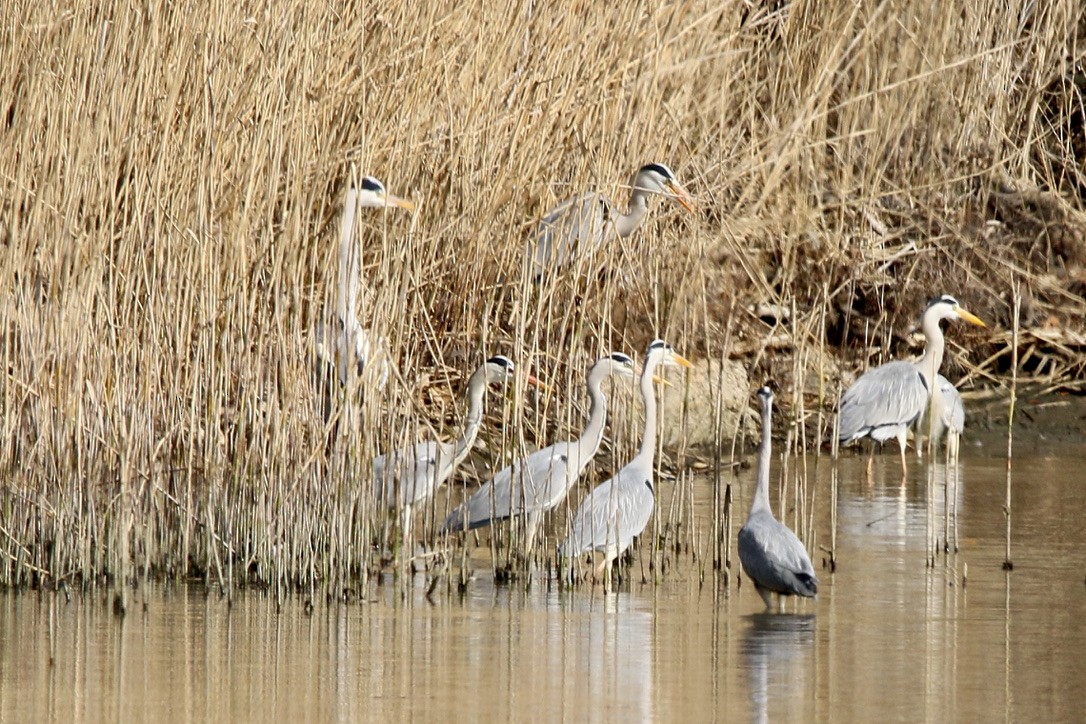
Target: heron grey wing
{"type": "Point", "coordinates": [589, 521]}
{"type": "Point", "coordinates": [953, 408]}
{"type": "Point", "coordinates": [544, 484]}
{"type": "Point", "coordinates": [409, 475]}
{"type": "Point", "coordinates": [636, 503]}
{"type": "Point", "coordinates": [572, 228]}
{"type": "Point", "coordinates": [613, 514]}
{"type": "Point", "coordinates": [490, 503]}
{"type": "Point", "coordinates": [774, 557]}
{"type": "Point", "coordinates": [882, 401]}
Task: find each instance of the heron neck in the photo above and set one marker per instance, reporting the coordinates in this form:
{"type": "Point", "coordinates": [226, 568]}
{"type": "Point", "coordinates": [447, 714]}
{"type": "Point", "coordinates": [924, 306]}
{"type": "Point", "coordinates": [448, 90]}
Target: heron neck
{"type": "Point", "coordinates": [589, 442]}
{"type": "Point", "coordinates": [760, 503]}
{"type": "Point", "coordinates": [347, 300]}
{"type": "Point", "coordinates": [933, 349]}
{"type": "Point", "coordinates": [474, 419]}
{"type": "Point", "coordinates": [627, 223]}
{"type": "Point", "coordinates": [648, 396]}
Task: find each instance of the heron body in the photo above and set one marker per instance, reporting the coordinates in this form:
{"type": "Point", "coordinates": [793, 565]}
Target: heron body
{"type": "Point", "coordinates": [889, 399]}
{"type": "Point", "coordinates": [541, 481]}
{"type": "Point", "coordinates": [344, 345]}
{"type": "Point", "coordinates": [579, 226]}
{"type": "Point", "coordinates": [771, 554]}
{"type": "Point", "coordinates": [617, 510]}
{"type": "Point", "coordinates": [407, 477]}
{"type": "Point", "coordinates": [949, 415]}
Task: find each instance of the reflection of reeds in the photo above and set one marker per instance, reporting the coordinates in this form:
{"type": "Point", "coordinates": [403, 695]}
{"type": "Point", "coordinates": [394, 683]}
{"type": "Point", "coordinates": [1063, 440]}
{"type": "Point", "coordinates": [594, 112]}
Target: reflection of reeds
{"type": "Point", "coordinates": [168, 202]}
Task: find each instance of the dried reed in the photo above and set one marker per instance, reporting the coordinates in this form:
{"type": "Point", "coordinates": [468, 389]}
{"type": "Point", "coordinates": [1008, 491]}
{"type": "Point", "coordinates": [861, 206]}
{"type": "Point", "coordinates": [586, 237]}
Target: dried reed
{"type": "Point", "coordinates": [169, 189]}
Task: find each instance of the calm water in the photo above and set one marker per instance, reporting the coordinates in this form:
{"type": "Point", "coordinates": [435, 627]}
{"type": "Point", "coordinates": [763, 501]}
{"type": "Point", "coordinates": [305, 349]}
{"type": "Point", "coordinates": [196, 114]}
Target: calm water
{"type": "Point", "coordinates": [888, 639]}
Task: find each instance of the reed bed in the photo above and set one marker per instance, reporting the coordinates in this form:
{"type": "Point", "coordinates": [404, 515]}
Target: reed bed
{"type": "Point", "coordinates": [170, 188]}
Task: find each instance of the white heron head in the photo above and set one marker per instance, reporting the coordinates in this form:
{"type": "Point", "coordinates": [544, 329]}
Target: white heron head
{"type": "Point", "coordinates": [620, 365]}
{"type": "Point", "coordinates": [371, 193]}
{"type": "Point", "coordinates": [658, 179]}
{"type": "Point", "coordinates": [765, 395]}
{"type": "Point", "coordinates": [500, 370]}
{"type": "Point", "coordinates": [661, 353]}
{"type": "Point", "coordinates": [947, 307]}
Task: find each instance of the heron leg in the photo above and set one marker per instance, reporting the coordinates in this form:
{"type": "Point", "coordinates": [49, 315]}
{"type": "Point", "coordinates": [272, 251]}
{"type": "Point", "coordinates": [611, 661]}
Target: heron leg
{"type": "Point", "coordinates": [604, 570]}
{"type": "Point", "coordinates": [766, 595]}
{"type": "Point", "coordinates": [902, 445]}
{"type": "Point", "coordinates": [405, 527]}
{"type": "Point", "coordinates": [531, 528]}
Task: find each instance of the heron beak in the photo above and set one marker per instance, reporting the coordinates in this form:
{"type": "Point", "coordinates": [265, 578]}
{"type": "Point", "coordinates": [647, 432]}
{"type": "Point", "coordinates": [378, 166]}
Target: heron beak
{"type": "Point", "coordinates": [660, 381]}
{"type": "Point", "coordinates": [679, 194]}
{"type": "Point", "coordinates": [970, 317]}
{"type": "Point", "coordinates": [681, 361]}
{"type": "Point", "coordinates": [399, 203]}
{"type": "Point", "coordinates": [535, 382]}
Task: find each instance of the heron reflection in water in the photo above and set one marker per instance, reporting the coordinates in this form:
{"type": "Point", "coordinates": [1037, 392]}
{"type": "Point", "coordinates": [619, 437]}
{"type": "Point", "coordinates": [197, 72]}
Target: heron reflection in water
{"type": "Point", "coordinates": [778, 657]}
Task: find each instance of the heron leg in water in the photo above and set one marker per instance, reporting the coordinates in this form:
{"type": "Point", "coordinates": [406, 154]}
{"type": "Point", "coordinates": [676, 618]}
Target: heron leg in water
{"type": "Point", "coordinates": [604, 570]}
{"type": "Point", "coordinates": [902, 445]}
{"type": "Point", "coordinates": [766, 595]}
{"type": "Point", "coordinates": [531, 528]}
{"type": "Point", "coordinates": [405, 527]}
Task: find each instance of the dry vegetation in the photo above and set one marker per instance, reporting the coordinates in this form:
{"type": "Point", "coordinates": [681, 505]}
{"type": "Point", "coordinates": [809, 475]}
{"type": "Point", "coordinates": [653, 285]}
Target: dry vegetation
{"type": "Point", "coordinates": [170, 183]}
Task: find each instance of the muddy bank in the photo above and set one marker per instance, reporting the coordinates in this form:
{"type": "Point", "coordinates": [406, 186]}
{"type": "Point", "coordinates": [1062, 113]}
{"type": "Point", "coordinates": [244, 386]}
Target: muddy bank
{"type": "Point", "coordinates": [1043, 422]}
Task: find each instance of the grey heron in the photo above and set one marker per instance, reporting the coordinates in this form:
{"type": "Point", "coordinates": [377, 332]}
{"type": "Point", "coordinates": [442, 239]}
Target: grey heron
{"type": "Point", "coordinates": [617, 510]}
{"type": "Point", "coordinates": [886, 401]}
{"type": "Point", "coordinates": [411, 476]}
{"type": "Point", "coordinates": [771, 554]}
{"type": "Point", "coordinates": [344, 344]}
{"type": "Point", "coordinates": [541, 481]}
{"type": "Point", "coordinates": [581, 225]}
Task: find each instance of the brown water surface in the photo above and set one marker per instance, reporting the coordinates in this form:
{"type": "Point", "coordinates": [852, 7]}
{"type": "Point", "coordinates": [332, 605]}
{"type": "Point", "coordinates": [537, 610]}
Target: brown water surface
{"type": "Point", "coordinates": [889, 638]}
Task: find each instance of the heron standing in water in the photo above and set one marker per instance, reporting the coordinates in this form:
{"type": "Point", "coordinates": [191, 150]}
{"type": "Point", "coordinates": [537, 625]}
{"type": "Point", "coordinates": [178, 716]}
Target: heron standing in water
{"type": "Point", "coordinates": [617, 510]}
{"type": "Point", "coordinates": [889, 399]}
{"type": "Point", "coordinates": [771, 554]}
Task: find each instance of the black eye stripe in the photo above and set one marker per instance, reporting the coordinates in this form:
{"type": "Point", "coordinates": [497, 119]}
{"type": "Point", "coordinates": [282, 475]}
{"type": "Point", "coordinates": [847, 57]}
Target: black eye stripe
{"type": "Point", "coordinates": [944, 299]}
{"type": "Point", "coordinates": [621, 358]}
{"type": "Point", "coordinates": [501, 361]}
{"type": "Point", "coordinates": [369, 183]}
{"type": "Point", "coordinates": [658, 168]}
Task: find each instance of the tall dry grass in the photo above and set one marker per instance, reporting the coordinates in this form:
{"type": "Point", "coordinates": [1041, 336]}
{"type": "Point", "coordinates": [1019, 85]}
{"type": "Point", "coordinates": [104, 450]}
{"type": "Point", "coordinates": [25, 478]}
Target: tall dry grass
{"type": "Point", "coordinates": [170, 178]}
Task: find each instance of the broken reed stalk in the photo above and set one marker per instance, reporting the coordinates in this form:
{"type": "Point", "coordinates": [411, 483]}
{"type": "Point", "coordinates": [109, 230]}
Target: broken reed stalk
{"type": "Point", "coordinates": [1016, 302]}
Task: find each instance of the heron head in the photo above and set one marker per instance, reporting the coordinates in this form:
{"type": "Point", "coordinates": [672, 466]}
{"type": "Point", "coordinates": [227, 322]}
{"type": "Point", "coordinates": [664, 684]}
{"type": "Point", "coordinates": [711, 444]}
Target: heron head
{"type": "Point", "coordinates": [621, 365]}
{"type": "Point", "coordinates": [371, 193]}
{"type": "Point", "coordinates": [661, 353]}
{"type": "Point", "coordinates": [659, 179]}
{"type": "Point", "coordinates": [947, 307]}
{"type": "Point", "coordinates": [500, 369]}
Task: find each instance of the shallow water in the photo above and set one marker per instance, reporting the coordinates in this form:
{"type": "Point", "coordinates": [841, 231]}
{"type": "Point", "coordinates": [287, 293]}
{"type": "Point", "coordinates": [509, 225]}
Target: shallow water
{"type": "Point", "coordinates": [888, 639]}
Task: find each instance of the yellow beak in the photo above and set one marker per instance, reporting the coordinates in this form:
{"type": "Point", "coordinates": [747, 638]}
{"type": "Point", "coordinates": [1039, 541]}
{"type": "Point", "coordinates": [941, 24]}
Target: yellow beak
{"type": "Point", "coordinates": [396, 201]}
{"type": "Point", "coordinates": [970, 317]}
{"type": "Point", "coordinates": [679, 194]}
{"type": "Point", "coordinates": [681, 361]}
